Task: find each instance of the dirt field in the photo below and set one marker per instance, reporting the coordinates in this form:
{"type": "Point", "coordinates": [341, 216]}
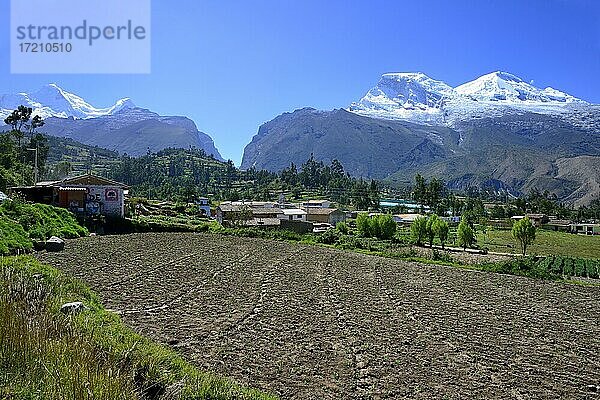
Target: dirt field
{"type": "Point", "coordinates": [308, 322]}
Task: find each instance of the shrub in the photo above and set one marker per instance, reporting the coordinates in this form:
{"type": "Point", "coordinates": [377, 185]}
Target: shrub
{"type": "Point", "coordinates": [363, 225]}
{"type": "Point", "coordinates": [525, 266]}
{"type": "Point", "coordinates": [330, 236]}
{"type": "Point", "coordinates": [437, 255]}
{"type": "Point", "coordinates": [342, 227]}
{"type": "Point", "coordinates": [387, 226]}
{"type": "Point", "coordinates": [41, 221]}
{"type": "Point", "coordinates": [592, 268]}
{"type": "Point", "coordinates": [580, 267]}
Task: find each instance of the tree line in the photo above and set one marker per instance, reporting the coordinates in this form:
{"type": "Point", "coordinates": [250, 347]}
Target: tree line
{"type": "Point", "coordinates": [186, 174]}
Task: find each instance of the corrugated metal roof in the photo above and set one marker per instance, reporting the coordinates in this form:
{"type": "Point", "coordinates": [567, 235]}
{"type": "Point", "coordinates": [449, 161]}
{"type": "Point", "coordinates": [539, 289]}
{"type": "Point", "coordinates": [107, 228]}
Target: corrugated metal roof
{"type": "Point", "coordinates": [293, 211]}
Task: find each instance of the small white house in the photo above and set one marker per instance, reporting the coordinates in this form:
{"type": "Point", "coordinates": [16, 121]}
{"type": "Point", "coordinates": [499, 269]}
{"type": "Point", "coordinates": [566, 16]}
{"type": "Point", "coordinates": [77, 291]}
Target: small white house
{"type": "Point", "coordinates": [3, 197]}
{"type": "Point", "coordinates": [204, 206]}
{"type": "Point", "coordinates": [293, 214]}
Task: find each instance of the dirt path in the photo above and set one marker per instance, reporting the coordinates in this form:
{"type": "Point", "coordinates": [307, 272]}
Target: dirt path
{"type": "Point", "coordinates": [310, 322]}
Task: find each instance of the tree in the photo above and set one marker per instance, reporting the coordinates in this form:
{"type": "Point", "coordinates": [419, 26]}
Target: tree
{"type": "Point", "coordinates": [465, 235]}
{"type": "Point", "coordinates": [420, 190]}
{"type": "Point", "coordinates": [379, 226]}
{"type": "Point", "coordinates": [441, 229]}
{"type": "Point", "coordinates": [431, 221]}
{"type": "Point", "coordinates": [524, 232]}
{"type": "Point", "coordinates": [418, 230]}
{"type": "Point", "coordinates": [434, 192]}
{"type": "Point", "coordinates": [19, 121]}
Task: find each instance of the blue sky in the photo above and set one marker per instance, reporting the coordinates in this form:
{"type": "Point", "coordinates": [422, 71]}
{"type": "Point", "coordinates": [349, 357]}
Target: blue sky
{"type": "Point", "coordinates": [233, 65]}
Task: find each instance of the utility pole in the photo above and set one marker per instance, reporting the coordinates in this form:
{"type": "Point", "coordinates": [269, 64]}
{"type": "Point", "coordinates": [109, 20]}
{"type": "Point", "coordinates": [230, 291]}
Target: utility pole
{"type": "Point", "coordinates": [35, 167]}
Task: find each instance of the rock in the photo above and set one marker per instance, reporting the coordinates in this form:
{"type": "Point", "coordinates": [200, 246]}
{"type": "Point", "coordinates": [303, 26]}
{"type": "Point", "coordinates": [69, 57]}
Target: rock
{"type": "Point", "coordinates": [55, 244]}
{"type": "Point", "coordinates": [73, 308]}
{"type": "Point", "coordinates": [593, 388]}
{"type": "Point", "coordinates": [39, 245]}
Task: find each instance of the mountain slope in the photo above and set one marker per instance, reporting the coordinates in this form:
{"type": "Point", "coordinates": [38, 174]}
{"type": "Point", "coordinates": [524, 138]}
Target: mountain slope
{"type": "Point", "coordinates": [496, 131]}
{"type": "Point", "coordinates": [365, 146]}
{"type": "Point", "coordinates": [132, 131]}
{"type": "Point", "coordinates": [122, 127]}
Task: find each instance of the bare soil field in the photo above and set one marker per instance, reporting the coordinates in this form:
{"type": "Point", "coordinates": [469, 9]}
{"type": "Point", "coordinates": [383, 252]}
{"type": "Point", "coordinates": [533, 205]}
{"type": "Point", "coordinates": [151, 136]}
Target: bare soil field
{"type": "Point", "coordinates": [307, 322]}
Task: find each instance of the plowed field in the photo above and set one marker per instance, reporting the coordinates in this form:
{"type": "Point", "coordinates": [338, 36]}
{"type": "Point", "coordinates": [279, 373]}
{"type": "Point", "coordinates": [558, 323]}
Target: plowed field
{"type": "Point", "coordinates": [310, 322]}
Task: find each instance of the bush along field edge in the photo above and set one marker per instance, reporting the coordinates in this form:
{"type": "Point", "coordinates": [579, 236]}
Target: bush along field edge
{"type": "Point", "coordinates": [86, 352]}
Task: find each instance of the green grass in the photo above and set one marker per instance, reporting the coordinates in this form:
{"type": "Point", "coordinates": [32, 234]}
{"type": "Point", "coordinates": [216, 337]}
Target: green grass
{"type": "Point", "coordinates": [42, 221]}
{"type": "Point", "coordinates": [45, 354]}
{"type": "Point", "coordinates": [13, 238]}
{"type": "Point", "coordinates": [546, 243]}
{"type": "Point", "coordinates": [20, 223]}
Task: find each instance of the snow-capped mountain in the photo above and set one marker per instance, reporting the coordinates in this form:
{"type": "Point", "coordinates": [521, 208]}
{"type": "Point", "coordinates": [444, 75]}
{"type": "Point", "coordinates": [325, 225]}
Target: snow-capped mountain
{"type": "Point", "coordinates": [413, 96]}
{"type": "Point", "coordinates": [418, 98]}
{"type": "Point", "coordinates": [53, 101]}
{"type": "Point", "coordinates": [123, 127]}
{"type": "Point", "coordinates": [505, 87]}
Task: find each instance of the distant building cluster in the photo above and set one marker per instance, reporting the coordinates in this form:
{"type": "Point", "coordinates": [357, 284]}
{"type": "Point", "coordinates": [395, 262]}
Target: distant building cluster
{"type": "Point", "coordinates": [304, 216]}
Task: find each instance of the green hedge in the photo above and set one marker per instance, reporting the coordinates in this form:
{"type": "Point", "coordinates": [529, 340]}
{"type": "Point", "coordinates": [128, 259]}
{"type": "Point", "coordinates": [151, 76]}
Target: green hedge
{"type": "Point", "coordinates": [571, 266]}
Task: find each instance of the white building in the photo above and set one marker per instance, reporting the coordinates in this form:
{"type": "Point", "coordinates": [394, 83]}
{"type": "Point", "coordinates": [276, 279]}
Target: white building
{"type": "Point", "coordinates": [293, 214]}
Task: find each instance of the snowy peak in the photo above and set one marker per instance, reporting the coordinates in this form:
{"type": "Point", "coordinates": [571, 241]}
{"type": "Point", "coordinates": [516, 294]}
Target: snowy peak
{"type": "Point", "coordinates": [408, 90]}
{"type": "Point", "coordinates": [404, 94]}
{"type": "Point", "coordinates": [502, 86]}
{"type": "Point", "coordinates": [53, 101]}
{"type": "Point", "coordinates": [418, 98]}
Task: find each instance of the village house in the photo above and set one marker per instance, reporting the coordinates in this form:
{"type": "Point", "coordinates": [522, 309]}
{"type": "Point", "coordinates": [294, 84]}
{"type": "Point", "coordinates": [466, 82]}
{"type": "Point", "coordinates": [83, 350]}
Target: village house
{"type": "Point", "coordinates": [203, 205]}
{"type": "Point", "coordinates": [246, 214]}
{"type": "Point", "coordinates": [293, 214]}
{"type": "Point", "coordinates": [85, 194]}
{"type": "Point", "coordinates": [406, 219]}
{"type": "Point", "coordinates": [586, 228]}
{"type": "Point", "coordinates": [3, 197]}
{"type": "Point", "coordinates": [559, 225]}
{"type": "Point", "coordinates": [330, 216]}
{"type": "Point", "coordinates": [316, 203]}
{"type": "Point", "coordinates": [536, 219]}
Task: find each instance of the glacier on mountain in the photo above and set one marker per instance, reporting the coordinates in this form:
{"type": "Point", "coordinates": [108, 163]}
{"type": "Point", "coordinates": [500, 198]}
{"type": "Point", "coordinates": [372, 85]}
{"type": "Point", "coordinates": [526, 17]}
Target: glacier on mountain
{"type": "Point", "coordinates": [415, 97]}
{"type": "Point", "coordinates": [53, 101]}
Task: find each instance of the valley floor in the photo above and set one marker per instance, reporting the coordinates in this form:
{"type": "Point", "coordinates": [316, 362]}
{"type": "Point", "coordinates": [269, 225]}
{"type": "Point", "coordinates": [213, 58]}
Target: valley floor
{"type": "Point", "coordinates": [311, 322]}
